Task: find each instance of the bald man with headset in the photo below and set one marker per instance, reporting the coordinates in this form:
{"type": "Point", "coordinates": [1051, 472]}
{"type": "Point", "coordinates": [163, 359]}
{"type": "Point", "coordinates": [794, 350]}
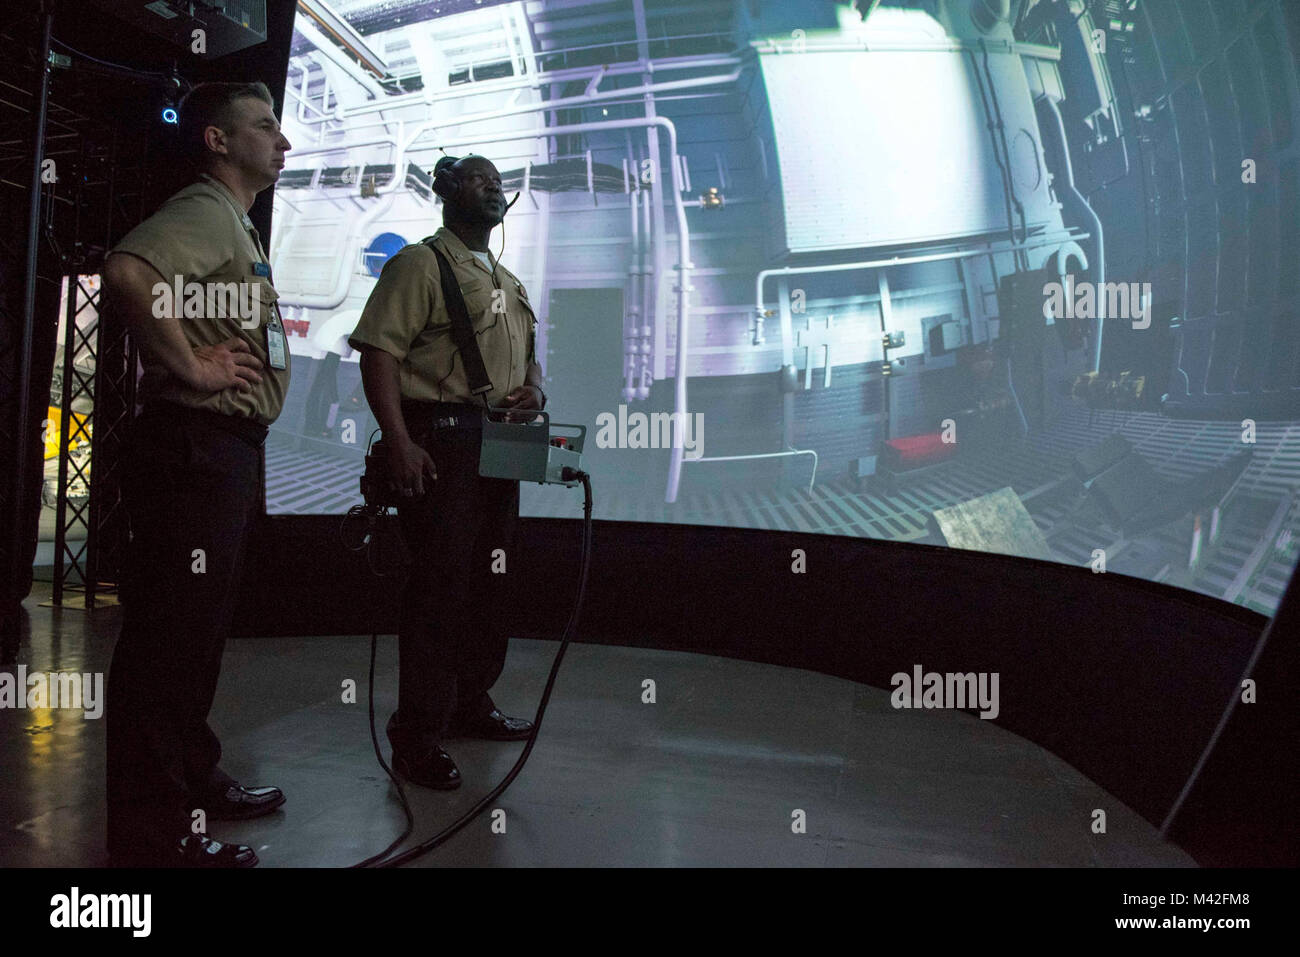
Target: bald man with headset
{"type": "Point", "coordinates": [427, 380]}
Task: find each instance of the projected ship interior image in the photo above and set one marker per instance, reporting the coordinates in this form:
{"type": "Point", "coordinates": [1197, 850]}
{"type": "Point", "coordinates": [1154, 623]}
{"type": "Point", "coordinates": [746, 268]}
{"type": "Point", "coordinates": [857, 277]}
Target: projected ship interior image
{"type": "Point", "coordinates": [822, 274]}
{"type": "Point", "coordinates": [653, 433]}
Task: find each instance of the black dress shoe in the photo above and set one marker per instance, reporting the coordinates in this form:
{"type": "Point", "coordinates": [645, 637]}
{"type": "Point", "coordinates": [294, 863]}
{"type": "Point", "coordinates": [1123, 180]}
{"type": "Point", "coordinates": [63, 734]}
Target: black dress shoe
{"type": "Point", "coordinates": [238, 803]}
{"type": "Point", "coordinates": [193, 850]}
{"type": "Point", "coordinates": [432, 769]}
{"type": "Point", "coordinates": [493, 726]}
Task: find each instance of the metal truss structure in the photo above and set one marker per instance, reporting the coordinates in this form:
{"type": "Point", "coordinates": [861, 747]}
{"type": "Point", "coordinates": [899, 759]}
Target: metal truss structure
{"type": "Point", "coordinates": [93, 177]}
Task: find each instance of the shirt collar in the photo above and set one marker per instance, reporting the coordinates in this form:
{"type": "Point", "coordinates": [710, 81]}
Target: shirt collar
{"type": "Point", "coordinates": [224, 190]}
{"type": "Point", "coordinates": [456, 248]}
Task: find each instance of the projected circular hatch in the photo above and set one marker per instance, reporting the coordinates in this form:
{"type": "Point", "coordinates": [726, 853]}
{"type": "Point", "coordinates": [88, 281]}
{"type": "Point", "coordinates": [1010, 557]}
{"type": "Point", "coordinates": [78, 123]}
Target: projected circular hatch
{"type": "Point", "coordinates": [380, 250]}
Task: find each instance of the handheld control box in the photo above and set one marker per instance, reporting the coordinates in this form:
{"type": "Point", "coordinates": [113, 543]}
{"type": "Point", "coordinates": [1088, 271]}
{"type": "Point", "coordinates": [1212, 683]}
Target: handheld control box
{"type": "Point", "coordinates": [527, 451]}
{"type": "Point", "coordinates": [530, 451]}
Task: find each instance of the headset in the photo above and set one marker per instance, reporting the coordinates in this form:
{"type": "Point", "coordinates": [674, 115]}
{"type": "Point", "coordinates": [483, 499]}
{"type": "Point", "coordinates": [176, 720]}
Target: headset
{"type": "Point", "coordinates": [447, 185]}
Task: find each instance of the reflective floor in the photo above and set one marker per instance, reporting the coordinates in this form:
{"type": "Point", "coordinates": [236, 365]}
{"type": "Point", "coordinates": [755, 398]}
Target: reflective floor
{"type": "Point", "coordinates": [715, 772]}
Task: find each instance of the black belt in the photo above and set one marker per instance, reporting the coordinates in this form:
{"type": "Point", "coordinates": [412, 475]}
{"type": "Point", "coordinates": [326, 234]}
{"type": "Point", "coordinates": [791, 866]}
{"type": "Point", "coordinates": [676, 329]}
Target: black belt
{"type": "Point", "coordinates": [425, 416]}
{"type": "Point", "coordinates": [254, 433]}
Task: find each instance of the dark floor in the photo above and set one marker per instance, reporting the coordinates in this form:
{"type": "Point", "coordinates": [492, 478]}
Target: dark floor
{"type": "Point", "coordinates": [711, 774]}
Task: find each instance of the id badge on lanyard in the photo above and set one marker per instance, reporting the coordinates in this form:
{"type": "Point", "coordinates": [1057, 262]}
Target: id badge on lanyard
{"type": "Point", "coordinates": [277, 346]}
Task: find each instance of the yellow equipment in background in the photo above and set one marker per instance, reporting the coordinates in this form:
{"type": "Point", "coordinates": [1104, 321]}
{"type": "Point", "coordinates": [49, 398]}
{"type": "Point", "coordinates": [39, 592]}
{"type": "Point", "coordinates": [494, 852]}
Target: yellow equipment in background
{"type": "Point", "coordinates": [52, 428]}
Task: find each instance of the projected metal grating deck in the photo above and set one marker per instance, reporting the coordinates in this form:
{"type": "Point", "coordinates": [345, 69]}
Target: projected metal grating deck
{"type": "Point", "coordinates": [1249, 565]}
{"type": "Point", "coordinates": [309, 483]}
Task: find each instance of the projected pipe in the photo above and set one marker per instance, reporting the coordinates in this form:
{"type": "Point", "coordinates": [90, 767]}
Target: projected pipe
{"type": "Point", "coordinates": [645, 374]}
{"type": "Point", "coordinates": [787, 334]}
{"type": "Point", "coordinates": [343, 280]}
{"type": "Point", "coordinates": [543, 106]}
{"type": "Point", "coordinates": [642, 303]}
{"type": "Point", "coordinates": [632, 330]}
{"type": "Point", "coordinates": [1052, 128]}
{"type": "Point", "coordinates": [561, 103]}
{"type": "Point", "coordinates": [428, 97]}
{"type": "Point", "coordinates": [1052, 239]}
{"type": "Point", "coordinates": [332, 53]}
{"type": "Point", "coordinates": [356, 235]}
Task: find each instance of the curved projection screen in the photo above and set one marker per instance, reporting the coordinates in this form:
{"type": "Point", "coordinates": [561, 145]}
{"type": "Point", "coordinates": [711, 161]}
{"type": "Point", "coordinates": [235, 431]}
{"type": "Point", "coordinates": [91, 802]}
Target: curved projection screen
{"type": "Point", "coordinates": [1019, 286]}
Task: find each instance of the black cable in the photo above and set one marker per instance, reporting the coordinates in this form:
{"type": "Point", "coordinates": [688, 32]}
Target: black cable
{"type": "Point", "coordinates": [497, 260]}
{"type": "Point", "coordinates": [370, 706]}
{"type": "Point", "coordinates": [370, 543]}
{"type": "Point", "coordinates": [379, 755]}
{"type": "Point", "coordinates": [503, 239]}
{"type": "Point", "coordinates": [421, 849]}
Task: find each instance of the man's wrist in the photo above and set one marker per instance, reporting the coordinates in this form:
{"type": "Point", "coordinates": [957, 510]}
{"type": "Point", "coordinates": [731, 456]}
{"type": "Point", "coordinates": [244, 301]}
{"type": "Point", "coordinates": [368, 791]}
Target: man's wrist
{"type": "Point", "coordinates": [397, 435]}
{"type": "Point", "coordinates": [532, 385]}
{"type": "Point", "coordinates": [188, 368]}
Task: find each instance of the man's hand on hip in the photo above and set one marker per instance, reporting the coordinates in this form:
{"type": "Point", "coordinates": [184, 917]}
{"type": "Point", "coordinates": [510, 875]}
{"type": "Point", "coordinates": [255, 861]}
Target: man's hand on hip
{"type": "Point", "coordinates": [230, 364]}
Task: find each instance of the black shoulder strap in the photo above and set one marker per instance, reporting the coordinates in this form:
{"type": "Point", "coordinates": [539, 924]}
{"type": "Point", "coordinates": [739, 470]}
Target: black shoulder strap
{"type": "Point", "coordinates": [462, 330]}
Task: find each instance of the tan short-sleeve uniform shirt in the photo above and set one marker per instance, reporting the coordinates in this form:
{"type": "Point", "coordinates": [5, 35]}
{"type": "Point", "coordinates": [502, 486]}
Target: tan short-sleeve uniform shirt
{"type": "Point", "coordinates": [406, 317]}
{"type": "Point", "coordinates": [218, 281]}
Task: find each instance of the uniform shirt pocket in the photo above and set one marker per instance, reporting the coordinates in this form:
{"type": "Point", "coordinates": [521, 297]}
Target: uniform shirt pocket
{"type": "Point", "coordinates": [257, 303]}
{"type": "Point", "coordinates": [477, 293]}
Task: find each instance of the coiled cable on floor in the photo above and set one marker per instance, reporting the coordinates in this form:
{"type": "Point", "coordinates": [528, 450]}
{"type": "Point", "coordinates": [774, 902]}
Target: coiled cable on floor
{"type": "Point", "coordinates": [378, 860]}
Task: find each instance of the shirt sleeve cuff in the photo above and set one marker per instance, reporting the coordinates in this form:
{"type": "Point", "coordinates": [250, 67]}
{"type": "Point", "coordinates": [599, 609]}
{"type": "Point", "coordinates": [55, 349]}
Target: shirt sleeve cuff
{"type": "Point", "coordinates": [360, 343]}
{"type": "Point", "coordinates": [153, 257]}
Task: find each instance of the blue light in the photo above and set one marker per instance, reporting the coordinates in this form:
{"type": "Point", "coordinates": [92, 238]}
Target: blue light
{"type": "Point", "coordinates": [169, 116]}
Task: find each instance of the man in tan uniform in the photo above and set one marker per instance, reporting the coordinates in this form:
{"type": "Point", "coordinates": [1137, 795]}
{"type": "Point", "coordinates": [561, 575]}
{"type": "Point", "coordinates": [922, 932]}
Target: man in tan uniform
{"type": "Point", "coordinates": [193, 284]}
{"type": "Point", "coordinates": [451, 647]}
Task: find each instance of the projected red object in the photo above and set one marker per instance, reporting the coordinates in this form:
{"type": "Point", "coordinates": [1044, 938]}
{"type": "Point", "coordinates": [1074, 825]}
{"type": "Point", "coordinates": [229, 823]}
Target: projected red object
{"type": "Point", "coordinates": [916, 451]}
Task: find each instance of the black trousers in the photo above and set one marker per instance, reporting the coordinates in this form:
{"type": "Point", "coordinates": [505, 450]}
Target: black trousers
{"type": "Point", "coordinates": [451, 640]}
{"type": "Point", "coordinates": [191, 485]}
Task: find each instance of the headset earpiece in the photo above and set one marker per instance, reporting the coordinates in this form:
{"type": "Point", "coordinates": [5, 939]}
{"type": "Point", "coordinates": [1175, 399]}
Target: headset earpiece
{"type": "Point", "coordinates": [445, 183]}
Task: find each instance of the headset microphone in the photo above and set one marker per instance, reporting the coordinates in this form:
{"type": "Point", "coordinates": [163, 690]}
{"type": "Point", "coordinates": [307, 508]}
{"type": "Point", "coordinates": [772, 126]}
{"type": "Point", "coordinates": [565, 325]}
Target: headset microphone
{"type": "Point", "coordinates": [509, 204]}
